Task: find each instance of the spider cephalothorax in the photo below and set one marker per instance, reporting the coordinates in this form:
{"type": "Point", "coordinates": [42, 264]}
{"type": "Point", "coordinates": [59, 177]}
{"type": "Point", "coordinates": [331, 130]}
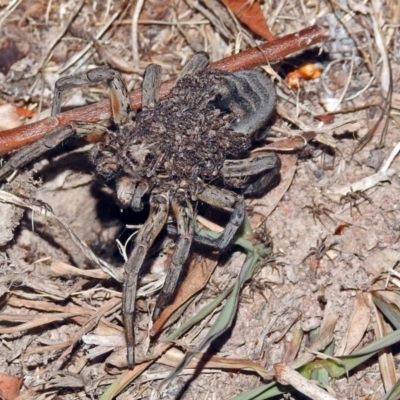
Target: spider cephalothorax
{"type": "Point", "coordinates": [178, 151]}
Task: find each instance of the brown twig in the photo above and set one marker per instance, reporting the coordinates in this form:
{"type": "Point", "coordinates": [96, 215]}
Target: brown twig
{"type": "Point", "coordinates": [270, 52]}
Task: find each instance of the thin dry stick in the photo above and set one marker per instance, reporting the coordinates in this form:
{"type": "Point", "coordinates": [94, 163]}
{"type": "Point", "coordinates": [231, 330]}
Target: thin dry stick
{"type": "Point", "coordinates": [166, 23]}
{"type": "Point", "coordinates": [387, 85]}
{"type": "Point", "coordinates": [386, 73]}
{"type": "Point", "coordinates": [173, 23]}
{"type": "Point", "coordinates": [383, 175]}
{"type": "Point", "coordinates": [36, 321]}
{"type": "Point", "coordinates": [62, 32]}
{"type": "Point", "coordinates": [83, 55]}
{"type": "Point", "coordinates": [48, 9]}
{"type": "Point", "coordinates": [216, 22]}
{"type": "Point", "coordinates": [134, 33]}
{"type": "Point", "coordinates": [288, 376]}
{"type": "Point", "coordinates": [107, 11]}
{"type": "Point", "coordinates": [8, 10]}
{"type": "Point", "coordinates": [90, 325]}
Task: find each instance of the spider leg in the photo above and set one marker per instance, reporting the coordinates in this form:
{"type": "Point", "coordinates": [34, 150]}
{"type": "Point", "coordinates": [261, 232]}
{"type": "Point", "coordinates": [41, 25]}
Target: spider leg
{"type": "Point", "coordinates": [146, 236]}
{"type": "Point", "coordinates": [36, 149]}
{"type": "Point", "coordinates": [250, 166]}
{"type": "Point", "coordinates": [151, 86]}
{"type": "Point", "coordinates": [251, 96]}
{"type": "Point", "coordinates": [120, 106]}
{"type": "Point", "coordinates": [121, 110]}
{"type": "Point", "coordinates": [196, 64]}
{"type": "Point", "coordinates": [266, 165]}
{"type": "Point", "coordinates": [50, 141]}
{"type": "Point", "coordinates": [224, 199]}
{"type": "Point", "coordinates": [185, 221]}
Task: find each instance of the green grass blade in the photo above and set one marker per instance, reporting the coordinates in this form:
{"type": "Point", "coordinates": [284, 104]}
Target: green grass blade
{"type": "Point", "coordinates": [262, 392]}
{"type": "Point", "coordinates": [389, 307]}
{"type": "Point", "coordinates": [394, 393]}
{"type": "Point", "coordinates": [322, 369]}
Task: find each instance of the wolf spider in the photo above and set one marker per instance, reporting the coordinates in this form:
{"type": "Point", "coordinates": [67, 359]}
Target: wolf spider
{"type": "Point", "coordinates": [353, 198]}
{"type": "Point", "coordinates": [175, 151]}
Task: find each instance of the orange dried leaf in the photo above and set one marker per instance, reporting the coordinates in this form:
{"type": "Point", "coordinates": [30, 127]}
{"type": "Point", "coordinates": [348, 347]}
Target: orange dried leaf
{"type": "Point", "coordinates": [327, 119]}
{"type": "Point", "coordinates": [10, 386]}
{"type": "Point", "coordinates": [305, 71]}
{"type": "Point", "coordinates": [196, 278]}
{"type": "Point", "coordinates": [340, 228]}
{"type": "Point", "coordinates": [25, 112]}
{"type": "Point", "coordinates": [250, 14]}
{"type": "Point", "coordinates": [9, 117]}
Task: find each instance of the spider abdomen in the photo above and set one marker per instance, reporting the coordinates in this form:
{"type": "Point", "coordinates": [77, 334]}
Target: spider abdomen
{"type": "Point", "coordinates": [187, 135]}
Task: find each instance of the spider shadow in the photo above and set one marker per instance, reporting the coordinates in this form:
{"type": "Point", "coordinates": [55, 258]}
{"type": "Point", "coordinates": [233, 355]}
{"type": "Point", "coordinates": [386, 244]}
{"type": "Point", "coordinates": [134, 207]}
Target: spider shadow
{"type": "Point", "coordinates": [68, 157]}
{"type": "Point", "coordinates": [213, 349]}
{"type": "Point", "coordinates": [310, 55]}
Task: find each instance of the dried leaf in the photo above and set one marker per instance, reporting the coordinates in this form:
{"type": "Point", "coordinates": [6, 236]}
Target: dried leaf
{"type": "Point", "coordinates": [197, 277]}
{"type": "Point", "coordinates": [294, 346]}
{"type": "Point", "coordinates": [9, 117]}
{"type": "Point", "coordinates": [291, 144]}
{"type": "Point", "coordinates": [358, 324]}
{"type": "Point", "coordinates": [386, 361]}
{"type": "Point", "coordinates": [173, 356]}
{"type": "Point", "coordinates": [305, 71]}
{"type": "Point", "coordinates": [250, 14]}
{"type": "Point", "coordinates": [113, 59]}
{"type": "Point", "coordinates": [130, 375]}
{"type": "Point", "coordinates": [48, 306]}
{"type": "Point", "coordinates": [9, 386]}
{"type": "Point", "coordinates": [327, 119]}
{"type": "Point", "coordinates": [59, 268]}
{"type": "Point", "coordinates": [225, 318]}
{"type": "Point", "coordinates": [326, 139]}
{"type": "Point", "coordinates": [35, 321]}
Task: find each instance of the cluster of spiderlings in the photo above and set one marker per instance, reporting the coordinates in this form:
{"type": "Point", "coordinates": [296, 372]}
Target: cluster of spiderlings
{"type": "Point", "coordinates": [186, 136]}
